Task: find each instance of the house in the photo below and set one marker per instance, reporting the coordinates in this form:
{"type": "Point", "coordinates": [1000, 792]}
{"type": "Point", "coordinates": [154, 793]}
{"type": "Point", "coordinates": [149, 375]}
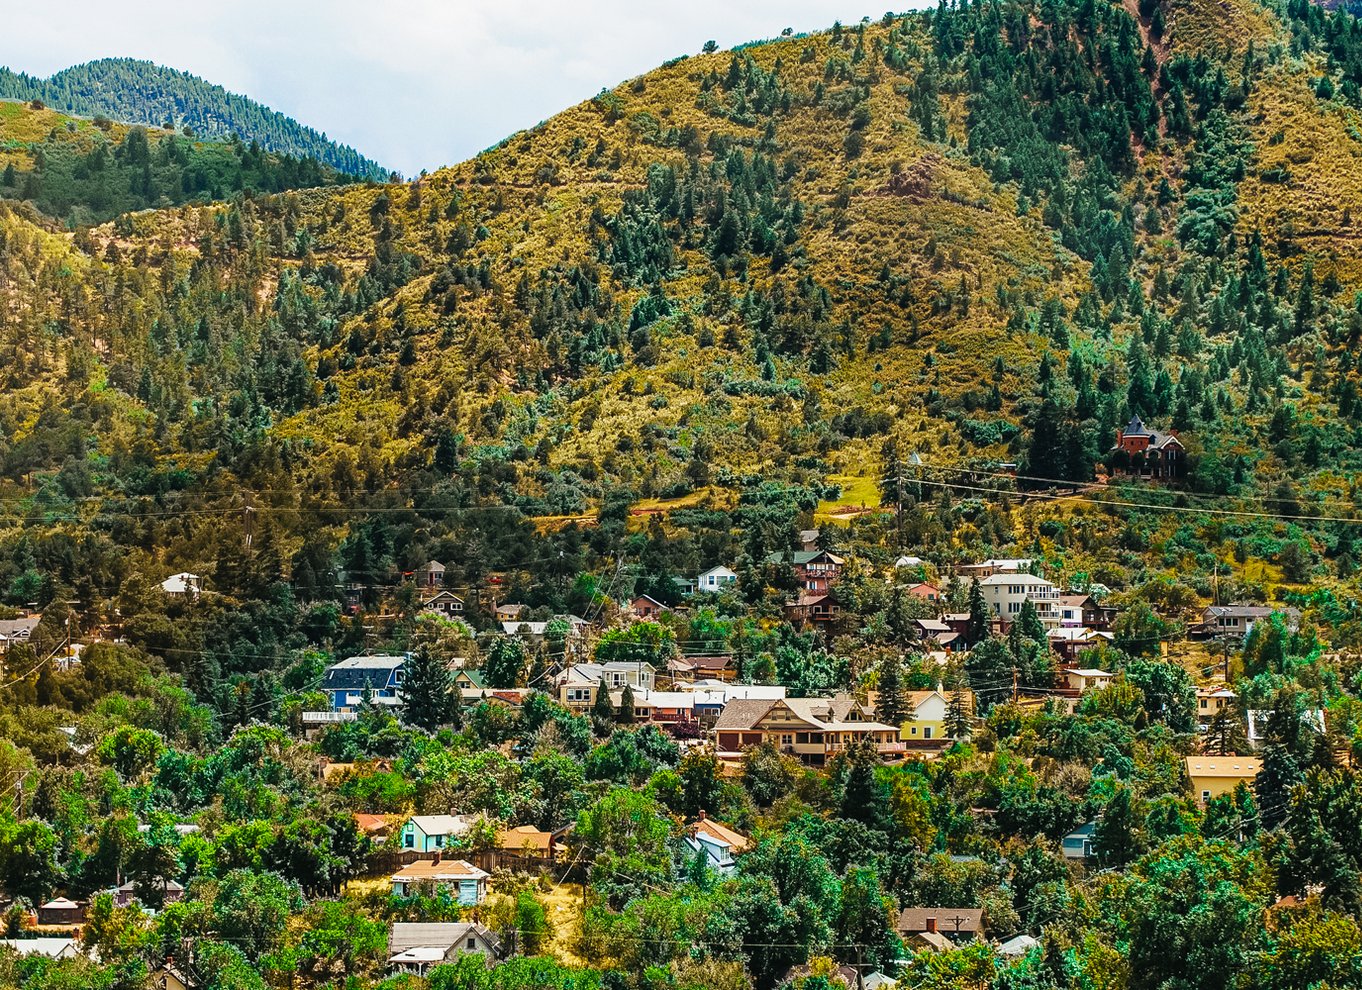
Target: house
{"type": "Point", "coordinates": [811, 607]}
{"type": "Point", "coordinates": [958, 923]}
{"type": "Point", "coordinates": [376, 827]}
{"type": "Point", "coordinates": [691, 669]}
{"type": "Point", "coordinates": [647, 607]}
{"type": "Point", "coordinates": [667, 708]}
{"type": "Point", "coordinates": [578, 683]}
{"type": "Point", "coordinates": [1080, 680]}
{"type": "Point", "coordinates": [712, 696]}
{"type": "Point", "coordinates": [14, 631]}
{"type": "Point", "coordinates": [60, 911]}
{"type": "Point", "coordinates": [470, 683]}
{"type": "Point", "coordinates": [461, 878]}
{"type": "Point", "coordinates": [1211, 701]}
{"type": "Point", "coordinates": [1018, 946]}
{"type": "Point", "coordinates": [714, 580]}
{"type": "Point", "coordinates": [444, 603]}
{"type": "Point", "coordinates": [1145, 453]}
{"type": "Point", "coordinates": [719, 843]}
{"type": "Point", "coordinates": [1005, 593]}
{"type": "Point", "coordinates": [52, 948]}
{"type": "Point", "coordinates": [183, 585]}
{"type": "Point", "coordinates": [511, 612]}
{"type": "Point", "coordinates": [1212, 776]}
{"type": "Point", "coordinates": [526, 840]}
{"type": "Point", "coordinates": [533, 632]}
{"type": "Point", "coordinates": [430, 575]}
{"type": "Point", "coordinates": [168, 976]}
{"type": "Point", "coordinates": [907, 560]}
{"type": "Point", "coordinates": [813, 729]}
{"type": "Point", "coordinates": [432, 833]}
{"type": "Point", "coordinates": [816, 570]}
{"type": "Point", "coordinates": [924, 591]}
{"type": "Point", "coordinates": [1237, 621]}
{"type": "Point", "coordinates": [1077, 845]}
{"type": "Point", "coordinates": [170, 893]}
{"type": "Point", "coordinates": [347, 681]}
{"type": "Point", "coordinates": [928, 724]}
{"type": "Point", "coordinates": [990, 567]}
{"type": "Point", "coordinates": [1083, 610]}
{"type": "Point", "coordinates": [1070, 641]}
{"type": "Point", "coordinates": [1311, 718]}
{"type": "Point", "coordinates": [808, 539]}
{"type": "Point", "coordinates": [415, 948]}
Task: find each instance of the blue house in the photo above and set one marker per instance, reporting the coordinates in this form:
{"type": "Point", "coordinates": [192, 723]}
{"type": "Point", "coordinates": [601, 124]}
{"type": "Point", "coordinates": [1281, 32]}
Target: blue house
{"type": "Point", "coordinates": [345, 682]}
{"type": "Point", "coordinates": [1078, 843]}
{"type": "Point", "coordinates": [462, 879]}
{"type": "Point", "coordinates": [433, 833]}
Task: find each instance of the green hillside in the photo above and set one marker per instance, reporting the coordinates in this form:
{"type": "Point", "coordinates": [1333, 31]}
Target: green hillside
{"type": "Point", "coordinates": [153, 95]}
{"type": "Point", "coordinates": [901, 282]}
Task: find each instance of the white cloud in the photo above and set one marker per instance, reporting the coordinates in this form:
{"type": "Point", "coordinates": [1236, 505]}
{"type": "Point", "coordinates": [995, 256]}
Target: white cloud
{"type": "Point", "coordinates": [415, 85]}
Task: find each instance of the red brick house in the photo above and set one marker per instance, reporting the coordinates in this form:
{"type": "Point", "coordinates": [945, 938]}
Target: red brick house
{"type": "Point", "coordinates": [1144, 453]}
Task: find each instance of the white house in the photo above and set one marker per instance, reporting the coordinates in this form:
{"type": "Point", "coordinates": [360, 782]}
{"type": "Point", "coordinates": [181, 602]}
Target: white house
{"type": "Point", "coordinates": [183, 585]}
{"type": "Point", "coordinates": [1313, 718]}
{"type": "Point", "coordinates": [715, 579]}
{"type": "Point", "coordinates": [719, 843]}
{"type": "Point", "coordinates": [1006, 593]}
{"type": "Point", "coordinates": [578, 683]}
{"type": "Point", "coordinates": [414, 948]}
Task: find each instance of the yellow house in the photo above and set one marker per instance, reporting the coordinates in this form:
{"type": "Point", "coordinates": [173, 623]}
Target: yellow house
{"type": "Point", "coordinates": [1211, 701]}
{"type": "Point", "coordinates": [1212, 776]}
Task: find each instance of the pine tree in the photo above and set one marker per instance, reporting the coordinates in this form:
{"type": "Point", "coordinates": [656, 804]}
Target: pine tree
{"type": "Point", "coordinates": [979, 625]}
{"type": "Point", "coordinates": [427, 690]}
{"type": "Point", "coordinates": [890, 707]}
{"type": "Point", "coordinates": [602, 711]}
{"type": "Point", "coordinates": [625, 716]}
{"type": "Point", "coordinates": [957, 716]}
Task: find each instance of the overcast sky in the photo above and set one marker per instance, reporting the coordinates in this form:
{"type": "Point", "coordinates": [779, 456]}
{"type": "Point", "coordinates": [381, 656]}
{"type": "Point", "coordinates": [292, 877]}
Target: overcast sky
{"type": "Point", "coordinates": [415, 85]}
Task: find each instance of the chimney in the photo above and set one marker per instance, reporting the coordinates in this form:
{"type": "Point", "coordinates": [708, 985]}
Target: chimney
{"type": "Point", "coordinates": [931, 925]}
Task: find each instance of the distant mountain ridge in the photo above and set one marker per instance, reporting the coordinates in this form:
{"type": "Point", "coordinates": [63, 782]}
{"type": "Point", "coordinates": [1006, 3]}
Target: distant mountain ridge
{"type": "Point", "coordinates": [141, 92]}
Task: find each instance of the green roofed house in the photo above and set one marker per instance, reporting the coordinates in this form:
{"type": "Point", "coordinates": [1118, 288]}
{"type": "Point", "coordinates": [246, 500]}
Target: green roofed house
{"type": "Point", "coordinates": [817, 570]}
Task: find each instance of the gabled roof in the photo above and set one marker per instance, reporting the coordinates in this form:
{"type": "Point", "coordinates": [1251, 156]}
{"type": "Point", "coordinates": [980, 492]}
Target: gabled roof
{"type": "Point", "coordinates": [445, 869]}
{"type": "Point", "coordinates": [18, 628]}
{"type": "Point", "coordinates": [719, 834]}
{"type": "Point", "coordinates": [949, 920]}
{"type": "Point", "coordinates": [406, 936]}
{"type": "Point", "coordinates": [441, 824]}
{"type": "Point", "coordinates": [368, 823]}
{"type": "Point", "coordinates": [355, 673]}
{"type": "Point", "coordinates": [800, 557]}
{"type": "Point", "coordinates": [743, 713]}
{"type": "Point", "coordinates": [1013, 577]}
{"type": "Point", "coordinates": [522, 836]}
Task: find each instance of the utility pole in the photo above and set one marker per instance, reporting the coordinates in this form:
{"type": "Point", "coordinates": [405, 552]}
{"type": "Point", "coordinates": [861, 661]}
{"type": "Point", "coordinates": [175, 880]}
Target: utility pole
{"type": "Point", "coordinates": [1014, 685]}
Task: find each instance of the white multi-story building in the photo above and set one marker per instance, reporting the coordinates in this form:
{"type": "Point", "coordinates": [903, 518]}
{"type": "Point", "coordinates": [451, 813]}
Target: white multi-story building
{"type": "Point", "coordinates": [1006, 593]}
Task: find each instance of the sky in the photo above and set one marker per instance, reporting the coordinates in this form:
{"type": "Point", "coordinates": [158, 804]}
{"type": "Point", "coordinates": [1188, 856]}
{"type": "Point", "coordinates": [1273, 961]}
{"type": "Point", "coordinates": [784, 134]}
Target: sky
{"type": "Point", "coordinates": [415, 85]}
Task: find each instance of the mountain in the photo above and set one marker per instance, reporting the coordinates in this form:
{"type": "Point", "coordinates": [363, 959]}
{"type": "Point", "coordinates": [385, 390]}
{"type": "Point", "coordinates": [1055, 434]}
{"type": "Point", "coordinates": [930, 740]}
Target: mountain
{"type": "Point", "coordinates": [83, 172]}
{"type": "Point", "coordinates": [142, 92]}
{"type": "Point", "coordinates": [985, 236]}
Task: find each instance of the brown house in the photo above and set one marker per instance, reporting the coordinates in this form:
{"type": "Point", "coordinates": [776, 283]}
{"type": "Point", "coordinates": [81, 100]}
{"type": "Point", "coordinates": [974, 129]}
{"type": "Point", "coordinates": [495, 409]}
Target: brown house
{"type": "Point", "coordinates": [960, 923]}
{"type": "Point", "coordinates": [812, 729]}
{"type": "Point", "coordinates": [811, 607]}
{"type": "Point", "coordinates": [647, 607]}
{"type": "Point", "coordinates": [1144, 453]}
{"type": "Point", "coordinates": [60, 911]}
{"type": "Point", "coordinates": [816, 570]}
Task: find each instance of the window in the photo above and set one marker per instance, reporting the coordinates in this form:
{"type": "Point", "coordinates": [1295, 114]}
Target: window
{"type": "Point", "coordinates": [408, 841]}
{"type": "Point", "coordinates": [472, 944]}
{"type": "Point", "coordinates": [439, 842]}
{"type": "Point", "coordinates": [926, 732]}
{"type": "Point", "coordinates": [1205, 796]}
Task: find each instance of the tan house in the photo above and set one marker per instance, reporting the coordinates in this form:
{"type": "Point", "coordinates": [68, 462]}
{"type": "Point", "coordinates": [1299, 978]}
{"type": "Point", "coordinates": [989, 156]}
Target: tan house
{"type": "Point", "coordinates": [961, 924]}
{"type": "Point", "coordinates": [461, 878]}
{"type": "Point", "coordinates": [1212, 776]}
{"type": "Point", "coordinates": [812, 729]}
{"type": "Point", "coordinates": [1211, 701]}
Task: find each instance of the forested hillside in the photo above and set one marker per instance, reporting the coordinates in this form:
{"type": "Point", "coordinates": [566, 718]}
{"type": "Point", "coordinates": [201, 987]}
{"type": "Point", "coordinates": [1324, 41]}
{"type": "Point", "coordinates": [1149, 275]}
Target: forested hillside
{"type": "Point", "coordinates": [153, 95]}
{"type": "Point", "coordinates": [899, 282]}
{"type": "Point", "coordinates": [83, 172]}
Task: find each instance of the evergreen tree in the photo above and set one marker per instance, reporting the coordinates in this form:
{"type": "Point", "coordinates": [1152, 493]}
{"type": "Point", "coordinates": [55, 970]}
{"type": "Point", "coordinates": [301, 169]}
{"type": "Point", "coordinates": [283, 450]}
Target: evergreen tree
{"type": "Point", "coordinates": [427, 691]}
{"type": "Point", "coordinates": [957, 716]}
{"type": "Point", "coordinates": [979, 622]}
{"type": "Point", "coordinates": [625, 716]}
{"type": "Point", "coordinates": [890, 703]}
{"type": "Point", "coordinates": [602, 710]}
